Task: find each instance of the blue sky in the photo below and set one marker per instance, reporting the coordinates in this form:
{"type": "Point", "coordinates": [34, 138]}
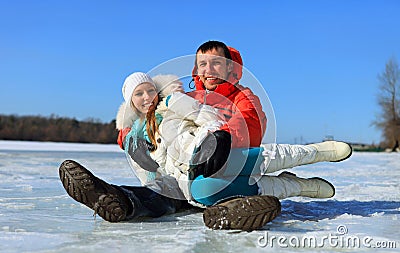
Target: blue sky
{"type": "Point", "coordinates": [317, 60]}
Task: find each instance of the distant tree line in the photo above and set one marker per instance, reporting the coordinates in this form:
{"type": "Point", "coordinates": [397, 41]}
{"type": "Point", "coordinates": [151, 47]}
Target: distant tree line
{"type": "Point", "coordinates": [57, 129]}
{"type": "Point", "coordinates": [388, 120]}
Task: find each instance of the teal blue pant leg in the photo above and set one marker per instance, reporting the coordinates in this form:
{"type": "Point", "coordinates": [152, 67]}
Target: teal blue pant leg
{"type": "Point", "coordinates": [244, 161]}
{"type": "Point", "coordinates": [209, 190]}
{"type": "Point", "coordinates": [241, 164]}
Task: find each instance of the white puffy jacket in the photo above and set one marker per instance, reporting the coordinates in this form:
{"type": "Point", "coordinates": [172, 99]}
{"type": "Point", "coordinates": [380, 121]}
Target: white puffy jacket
{"type": "Point", "coordinates": [185, 124]}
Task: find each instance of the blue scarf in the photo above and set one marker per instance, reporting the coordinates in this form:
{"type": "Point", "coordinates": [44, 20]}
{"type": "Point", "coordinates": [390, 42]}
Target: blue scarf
{"type": "Point", "coordinates": [138, 130]}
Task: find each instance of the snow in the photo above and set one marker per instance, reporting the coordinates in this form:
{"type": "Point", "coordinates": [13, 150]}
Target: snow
{"type": "Point", "coordinates": [57, 146]}
{"type": "Point", "coordinates": [36, 214]}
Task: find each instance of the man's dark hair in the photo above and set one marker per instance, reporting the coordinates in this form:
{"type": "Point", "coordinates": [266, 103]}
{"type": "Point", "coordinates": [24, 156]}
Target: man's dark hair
{"type": "Point", "coordinates": [213, 44]}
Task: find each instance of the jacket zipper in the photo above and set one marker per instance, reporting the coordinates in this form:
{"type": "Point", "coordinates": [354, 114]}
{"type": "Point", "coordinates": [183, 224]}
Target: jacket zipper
{"type": "Point", "coordinates": [205, 96]}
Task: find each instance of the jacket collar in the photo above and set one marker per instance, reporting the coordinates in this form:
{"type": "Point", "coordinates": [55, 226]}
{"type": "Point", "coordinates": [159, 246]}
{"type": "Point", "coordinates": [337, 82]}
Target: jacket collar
{"type": "Point", "coordinates": [225, 89]}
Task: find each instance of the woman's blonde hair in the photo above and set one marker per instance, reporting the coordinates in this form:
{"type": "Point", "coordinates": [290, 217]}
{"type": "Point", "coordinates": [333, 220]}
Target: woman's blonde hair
{"type": "Point", "coordinates": [151, 123]}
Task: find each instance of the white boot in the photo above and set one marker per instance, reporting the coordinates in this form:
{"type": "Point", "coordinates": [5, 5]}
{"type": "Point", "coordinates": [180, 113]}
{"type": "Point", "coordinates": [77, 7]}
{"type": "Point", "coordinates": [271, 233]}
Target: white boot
{"type": "Point", "coordinates": [284, 156]}
{"type": "Point", "coordinates": [289, 185]}
{"type": "Point", "coordinates": [331, 151]}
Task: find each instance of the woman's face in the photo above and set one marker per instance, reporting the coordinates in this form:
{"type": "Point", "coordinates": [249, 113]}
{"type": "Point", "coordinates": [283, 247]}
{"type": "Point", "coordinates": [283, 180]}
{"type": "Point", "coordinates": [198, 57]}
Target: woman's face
{"type": "Point", "coordinates": [144, 98]}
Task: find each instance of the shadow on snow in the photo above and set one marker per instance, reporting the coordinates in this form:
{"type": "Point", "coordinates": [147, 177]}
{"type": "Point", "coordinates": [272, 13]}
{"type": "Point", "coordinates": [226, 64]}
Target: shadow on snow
{"type": "Point", "coordinates": [318, 210]}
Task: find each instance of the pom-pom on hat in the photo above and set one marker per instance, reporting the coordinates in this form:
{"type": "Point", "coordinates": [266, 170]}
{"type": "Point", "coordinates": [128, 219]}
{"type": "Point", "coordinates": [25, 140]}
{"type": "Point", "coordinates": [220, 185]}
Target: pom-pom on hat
{"type": "Point", "coordinates": [132, 81]}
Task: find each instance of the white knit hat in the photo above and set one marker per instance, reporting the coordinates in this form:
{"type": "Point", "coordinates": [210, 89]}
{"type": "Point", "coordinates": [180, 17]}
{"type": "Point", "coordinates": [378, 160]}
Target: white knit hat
{"type": "Point", "coordinates": [132, 81]}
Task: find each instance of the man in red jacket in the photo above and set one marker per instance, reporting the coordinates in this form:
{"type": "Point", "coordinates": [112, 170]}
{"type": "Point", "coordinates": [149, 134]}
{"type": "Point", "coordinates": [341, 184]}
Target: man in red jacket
{"type": "Point", "coordinates": [216, 74]}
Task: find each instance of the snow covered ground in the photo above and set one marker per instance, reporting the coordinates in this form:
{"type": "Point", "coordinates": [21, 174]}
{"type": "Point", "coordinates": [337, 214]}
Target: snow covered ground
{"type": "Point", "coordinates": [36, 214]}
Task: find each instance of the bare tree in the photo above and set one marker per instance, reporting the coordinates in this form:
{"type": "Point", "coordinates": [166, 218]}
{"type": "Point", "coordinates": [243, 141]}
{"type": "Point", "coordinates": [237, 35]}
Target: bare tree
{"type": "Point", "coordinates": [388, 119]}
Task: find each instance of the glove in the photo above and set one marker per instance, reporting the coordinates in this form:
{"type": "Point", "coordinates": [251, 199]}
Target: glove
{"type": "Point", "coordinates": [121, 136]}
{"type": "Point", "coordinates": [210, 156]}
{"type": "Point", "coordinates": [141, 156]}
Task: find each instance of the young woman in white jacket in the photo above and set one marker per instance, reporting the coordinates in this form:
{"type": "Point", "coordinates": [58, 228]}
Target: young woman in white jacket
{"type": "Point", "coordinates": [181, 124]}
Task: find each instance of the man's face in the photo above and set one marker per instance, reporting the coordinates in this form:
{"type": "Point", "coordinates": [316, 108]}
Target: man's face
{"type": "Point", "coordinates": [212, 68]}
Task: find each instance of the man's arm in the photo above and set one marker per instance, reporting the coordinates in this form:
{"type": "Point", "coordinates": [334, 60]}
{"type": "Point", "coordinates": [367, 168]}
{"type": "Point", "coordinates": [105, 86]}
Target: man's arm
{"type": "Point", "coordinates": [248, 122]}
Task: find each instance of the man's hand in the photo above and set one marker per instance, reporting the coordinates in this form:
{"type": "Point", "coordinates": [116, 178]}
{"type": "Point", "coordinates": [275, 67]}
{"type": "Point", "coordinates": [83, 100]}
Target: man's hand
{"type": "Point", "coordinates": [140, 154]}
{"type": "Point", "coordinates": [210, 156]}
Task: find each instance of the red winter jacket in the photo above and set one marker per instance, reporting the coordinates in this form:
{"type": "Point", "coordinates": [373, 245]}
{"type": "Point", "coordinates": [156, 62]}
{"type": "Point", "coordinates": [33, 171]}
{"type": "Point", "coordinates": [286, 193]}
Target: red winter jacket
{"type": "Point", "coordinates": [246, 122]}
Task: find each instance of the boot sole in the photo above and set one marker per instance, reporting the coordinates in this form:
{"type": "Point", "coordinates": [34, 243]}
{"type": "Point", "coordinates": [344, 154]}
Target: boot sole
{"type": "Point", "coordinates": [248, 213]}
{"type": "Point", "coordinates": [85, 188]}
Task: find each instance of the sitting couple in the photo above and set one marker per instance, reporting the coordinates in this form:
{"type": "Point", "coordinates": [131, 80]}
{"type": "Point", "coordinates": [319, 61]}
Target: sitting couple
{"type": "Point", "coordinates": [202, 148]}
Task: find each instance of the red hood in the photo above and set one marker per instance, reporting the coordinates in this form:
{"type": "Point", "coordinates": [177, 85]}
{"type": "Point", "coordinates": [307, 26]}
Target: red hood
{"type": "Point", "coordinates": [233, 78]}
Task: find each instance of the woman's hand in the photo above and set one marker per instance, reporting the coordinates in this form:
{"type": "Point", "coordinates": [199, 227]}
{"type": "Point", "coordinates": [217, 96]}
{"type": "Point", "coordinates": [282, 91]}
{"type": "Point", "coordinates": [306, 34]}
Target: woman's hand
{"type": "Point", "coordinates": [141, 155]}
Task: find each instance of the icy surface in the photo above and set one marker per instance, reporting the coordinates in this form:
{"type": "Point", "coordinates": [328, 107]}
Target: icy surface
{"type": "Point", "coordinates": [36, 214]}
{"type": "Point", "coordinates": [57, 146]}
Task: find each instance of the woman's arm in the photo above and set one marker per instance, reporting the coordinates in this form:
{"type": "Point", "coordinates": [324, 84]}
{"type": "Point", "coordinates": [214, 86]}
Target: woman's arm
{"type": "Point", "coordinates": [189, 108]}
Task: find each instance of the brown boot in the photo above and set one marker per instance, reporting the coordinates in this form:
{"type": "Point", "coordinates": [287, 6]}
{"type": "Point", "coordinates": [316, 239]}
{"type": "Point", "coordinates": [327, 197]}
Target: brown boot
{"type": "Point", "coordinates": [244, 213]}
{"type": "Point", "coordinates": [105, 199]}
